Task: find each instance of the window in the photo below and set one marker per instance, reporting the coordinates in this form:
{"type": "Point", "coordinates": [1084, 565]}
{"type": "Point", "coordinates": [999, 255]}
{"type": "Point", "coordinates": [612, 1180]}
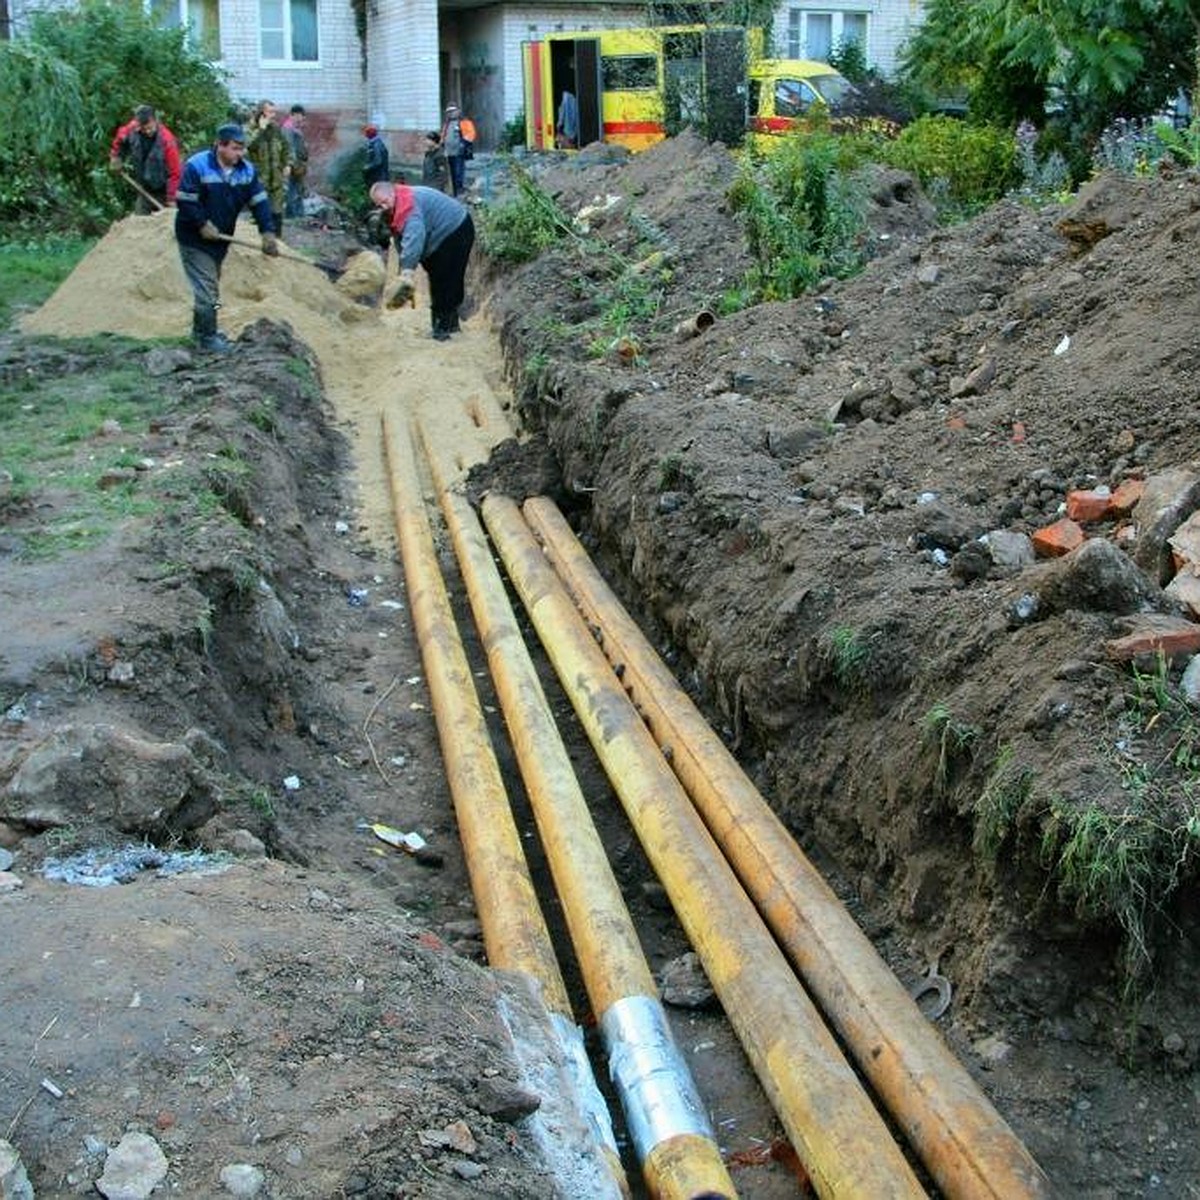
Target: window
{"type": "Point", "coordinates": [793, 97]}
{"type": "Point", "coordinates": [815, 34]}
{"type": "Point", "coordinates": [287, 30]}
{"type": "Point", "coordinates": [629, 72]}
{"type": "Point", "coordinates": [202, 18]}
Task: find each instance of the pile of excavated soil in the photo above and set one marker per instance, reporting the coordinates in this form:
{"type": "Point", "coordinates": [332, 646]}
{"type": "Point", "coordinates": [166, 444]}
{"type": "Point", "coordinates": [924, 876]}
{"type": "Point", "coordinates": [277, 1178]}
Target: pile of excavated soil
{"type": "Point", "coordinates": [795, 501]}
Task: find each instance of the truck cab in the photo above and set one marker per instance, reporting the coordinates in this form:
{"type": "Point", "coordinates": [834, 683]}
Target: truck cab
{"type": "Point", "coordinates": [785, 93]}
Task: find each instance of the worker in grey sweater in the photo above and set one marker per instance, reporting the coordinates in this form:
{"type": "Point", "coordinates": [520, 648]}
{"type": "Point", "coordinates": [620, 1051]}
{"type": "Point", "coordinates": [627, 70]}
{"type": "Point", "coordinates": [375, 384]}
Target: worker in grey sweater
{"type": "Point", "coordinates": [435, 231]}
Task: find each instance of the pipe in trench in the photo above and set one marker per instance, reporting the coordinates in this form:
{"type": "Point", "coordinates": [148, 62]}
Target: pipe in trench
{"type": "Point", "coordinates": [514, 930]}
{"type": "Point", "coordinates": [967, 1146]}
{"type": "Point", "coordinates": [840, 1138]}
{"type": "Point", "coordinates": [667, 1120]}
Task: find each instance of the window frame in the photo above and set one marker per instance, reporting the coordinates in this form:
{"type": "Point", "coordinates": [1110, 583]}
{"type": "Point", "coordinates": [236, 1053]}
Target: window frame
{"type": "Point", "coordinates": [288, 36]}
{"type": "Point", "coordinates": [797, 29]}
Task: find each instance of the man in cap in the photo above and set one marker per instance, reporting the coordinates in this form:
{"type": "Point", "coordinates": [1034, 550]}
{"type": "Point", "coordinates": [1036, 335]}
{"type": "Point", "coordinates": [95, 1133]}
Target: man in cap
{"type": "Point", "coordinates": [149, 152]}
{"type": "Point", "coordinates": [293, 130]}
{"type": "Point", "coordinates": [217, 184]}
{"type": "Point", "coordinates": [375, 157]}
{"type": "Point", "coordinates": [454, 147]}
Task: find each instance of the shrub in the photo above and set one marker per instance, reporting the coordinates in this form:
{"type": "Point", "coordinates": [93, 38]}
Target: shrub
{"type": "Point", "coordinates": [518, 230]}
{"type": "Point", "coordinates": [804, 217]}
{"type": "Point", "coordinates": [970, 166]}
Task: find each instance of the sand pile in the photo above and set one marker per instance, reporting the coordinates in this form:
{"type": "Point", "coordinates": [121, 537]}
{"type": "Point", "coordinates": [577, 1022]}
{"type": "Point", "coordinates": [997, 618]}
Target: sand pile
{"type": "Point", "coordinates": [132, 283]}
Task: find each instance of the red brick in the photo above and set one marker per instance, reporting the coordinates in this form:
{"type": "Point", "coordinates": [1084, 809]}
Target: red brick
{"type": "Point", "coordinates": [1126, 496]}
{"type": "Point", "coordinates": [1171, 635]}
{"type": "Point", "coordinates": [1053, 541]}
{"type": "Point", "coordinates": [1090, 505]}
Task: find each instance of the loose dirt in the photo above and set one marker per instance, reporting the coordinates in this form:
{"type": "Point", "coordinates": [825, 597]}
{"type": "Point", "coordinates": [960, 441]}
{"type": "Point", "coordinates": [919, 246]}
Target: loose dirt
{"type": "Point", "coordinates": [788, 502]}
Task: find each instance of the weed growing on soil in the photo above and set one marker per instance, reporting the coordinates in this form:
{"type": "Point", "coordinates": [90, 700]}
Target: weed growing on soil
{"type": "Point", "coordinates": [953, 740]}
{"type": "Point", "coordinates": [805, 219]}
{"type": "Point", "coordinates": [519, 230]}
{"type": "Point", "coordinates": [1120, 865]}
{"type": "Point", "coordinates": [1004, 793]}
{"type": "Point", "coordinates": [850, 658]}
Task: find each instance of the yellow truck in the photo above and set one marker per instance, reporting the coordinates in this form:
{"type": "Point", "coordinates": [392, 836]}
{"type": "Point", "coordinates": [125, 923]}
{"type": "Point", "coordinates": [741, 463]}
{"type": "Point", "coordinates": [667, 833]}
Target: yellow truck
{"type": "Point", "coordinates": [633, 87]}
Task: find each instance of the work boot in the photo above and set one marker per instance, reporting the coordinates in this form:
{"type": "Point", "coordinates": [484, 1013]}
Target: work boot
{"type": "Point", "coordinates": [452, 325]}
{"type": "Point", "coordinates": [205, 334]}
{"type": "Point", "coordinates": [441, 330]}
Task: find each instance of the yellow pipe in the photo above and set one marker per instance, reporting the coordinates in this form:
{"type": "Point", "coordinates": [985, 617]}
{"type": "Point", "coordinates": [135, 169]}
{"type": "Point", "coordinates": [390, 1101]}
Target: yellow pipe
{"type": "Point", "coordinates": [969, 1149]}
{"type": "Point", "coordinates": [840, 1138]}
{"type": "Point", "coordinates": [514, 931]}
{"type": "Point", "coordinates": [665, 1113]}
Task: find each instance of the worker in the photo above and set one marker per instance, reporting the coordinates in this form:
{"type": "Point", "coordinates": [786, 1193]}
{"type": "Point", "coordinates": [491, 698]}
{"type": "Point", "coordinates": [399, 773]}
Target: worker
{"type": "Point", "coordinates": [293, 130]}
{"type": "Point", "coordinates": [271, 153]}
{"type": "Point", "coordinates": [375, 156]}
{"type": "Point", "coordinates": [148, 152]}
{"type": "Point", "coordinates": [435, 231]}
{"type": "Point", "coordinates": [217, 184]}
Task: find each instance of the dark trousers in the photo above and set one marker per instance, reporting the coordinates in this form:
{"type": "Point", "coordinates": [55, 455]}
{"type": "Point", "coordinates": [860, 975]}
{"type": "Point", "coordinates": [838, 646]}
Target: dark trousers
{"type": "Point", "coordinates": [458, 169]}
{"type": "Point", "coordinates": [447, 271]}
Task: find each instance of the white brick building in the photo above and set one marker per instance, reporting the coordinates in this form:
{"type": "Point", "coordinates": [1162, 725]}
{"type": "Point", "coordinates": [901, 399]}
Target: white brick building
{"type": "Point", "coordinates": [422, 54]}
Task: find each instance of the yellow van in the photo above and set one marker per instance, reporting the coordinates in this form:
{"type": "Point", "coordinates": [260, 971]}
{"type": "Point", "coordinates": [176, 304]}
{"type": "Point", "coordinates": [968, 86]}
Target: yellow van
{"type": "Point", "coordinates": [785, 93]}
{"type": "Point", "coordinates": [634, 87]}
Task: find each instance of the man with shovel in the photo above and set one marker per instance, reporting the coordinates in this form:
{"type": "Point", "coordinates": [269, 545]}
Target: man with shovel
{"type": "Point", "coordinates": [217, 184]}
{"type": "Point", "coordinates": [145, 151]}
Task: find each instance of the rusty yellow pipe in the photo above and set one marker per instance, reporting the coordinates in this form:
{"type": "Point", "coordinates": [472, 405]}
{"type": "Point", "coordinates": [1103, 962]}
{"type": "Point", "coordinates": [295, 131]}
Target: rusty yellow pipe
{"type": "Point", "coordinates": [967, 1146]}
{"type": "Point", "coordinates": [840, 1138]}
{"type": "Point", "coordinates": [514, 930]}
{"type": "Point", "coordinates": [668, 1124]}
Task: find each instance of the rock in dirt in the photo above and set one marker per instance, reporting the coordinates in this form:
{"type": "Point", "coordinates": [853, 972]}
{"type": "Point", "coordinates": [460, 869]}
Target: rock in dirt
{"type": "Point", "coordinates": [684, 984]}
{"type": "Point", "coordinates": [104, 774]}
{"type": "Point", "coordinates": [1100, 577]}
{"type": "Point", "coordinates": [14, 1182]}
{"type": "Point", "coordinates": [134, 1169]}
{"type": "Point", "coordinates": [505, 1100]}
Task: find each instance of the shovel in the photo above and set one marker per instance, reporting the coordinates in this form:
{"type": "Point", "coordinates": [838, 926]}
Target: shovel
{"type": "Point", "coordinates": [326, 269]}
{"type": "Point", "coordinates": [137, 187]}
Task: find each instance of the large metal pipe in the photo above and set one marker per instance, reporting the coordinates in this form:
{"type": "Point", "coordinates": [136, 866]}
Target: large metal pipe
{"type": "Point", "coordinates": [514, 931]}
{"type": "Point", "coordinates": [967, 1146]}
{"type": "Point", "coordinates": [840, 1138]}
{"type": "Point", "coordinates": [668, 1124]}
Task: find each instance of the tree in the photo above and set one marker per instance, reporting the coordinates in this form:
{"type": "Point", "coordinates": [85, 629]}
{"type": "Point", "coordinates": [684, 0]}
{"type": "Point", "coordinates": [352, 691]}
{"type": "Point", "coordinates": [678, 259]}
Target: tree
{"type": "Point", "coordinates": [1088, 61]}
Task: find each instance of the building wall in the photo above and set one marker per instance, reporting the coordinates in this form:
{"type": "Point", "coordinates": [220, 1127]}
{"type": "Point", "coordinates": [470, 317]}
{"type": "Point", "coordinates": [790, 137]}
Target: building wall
{"type": "Point", "coordinates": [335, 82]}
{"type": "Point", "coordinates": [402, 65]}
{"type": "Point", "coordinates": [889, 24]}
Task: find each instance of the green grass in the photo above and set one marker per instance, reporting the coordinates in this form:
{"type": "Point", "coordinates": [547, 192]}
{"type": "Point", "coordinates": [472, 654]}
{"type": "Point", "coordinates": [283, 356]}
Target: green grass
{"type": "Point", "coordinates": [29, 273]}
{"type": "Point", "coordinates": [953, 740]}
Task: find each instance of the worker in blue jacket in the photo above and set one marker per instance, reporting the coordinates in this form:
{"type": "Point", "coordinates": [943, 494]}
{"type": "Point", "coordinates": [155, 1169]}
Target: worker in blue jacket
{"type": "Point", "coordinates": [216, 185]}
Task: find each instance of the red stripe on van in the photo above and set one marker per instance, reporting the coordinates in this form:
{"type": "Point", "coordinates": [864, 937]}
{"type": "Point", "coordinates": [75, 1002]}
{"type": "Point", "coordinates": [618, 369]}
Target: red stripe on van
{"type": "Point", "coordinates": [633, 127]}
{"type": "Point", "coordinates": [772, 124]}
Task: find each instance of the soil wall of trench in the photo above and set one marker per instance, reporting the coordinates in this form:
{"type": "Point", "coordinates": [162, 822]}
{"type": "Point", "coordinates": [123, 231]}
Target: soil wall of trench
{"type": "Point", "coordinates": [806, 507]}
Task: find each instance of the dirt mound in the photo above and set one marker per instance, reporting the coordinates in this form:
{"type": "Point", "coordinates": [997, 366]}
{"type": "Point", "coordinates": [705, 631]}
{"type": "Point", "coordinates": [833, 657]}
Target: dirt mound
{"type": "Point", "coordinates": [809, 503]}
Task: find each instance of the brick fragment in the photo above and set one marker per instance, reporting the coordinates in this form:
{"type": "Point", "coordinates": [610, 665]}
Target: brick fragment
{"type": "Point", "coordinates": [1091, 504]}
{"type": "Point", "coordinates": [1053, 541]}
{"type": "Point", "coordinates": [1152, 634]}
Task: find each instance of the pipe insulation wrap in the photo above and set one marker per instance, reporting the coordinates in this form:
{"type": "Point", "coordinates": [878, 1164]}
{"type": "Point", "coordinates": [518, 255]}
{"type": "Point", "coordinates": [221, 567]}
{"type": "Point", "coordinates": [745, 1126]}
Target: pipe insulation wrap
{"type": "Point", "coordinates": [587, 1093]}
{"type": "Point", "coordinates": [657, 1092]}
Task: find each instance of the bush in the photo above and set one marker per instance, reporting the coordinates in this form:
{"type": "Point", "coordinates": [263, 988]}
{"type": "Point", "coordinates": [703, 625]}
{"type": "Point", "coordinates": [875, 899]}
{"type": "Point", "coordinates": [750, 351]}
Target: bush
{"type": "Point", "coordinates": [964, 167]}
{"type": "Point", "coordinates": [517, 231]}
{"type": "Point", "coordinates": [804, 218]}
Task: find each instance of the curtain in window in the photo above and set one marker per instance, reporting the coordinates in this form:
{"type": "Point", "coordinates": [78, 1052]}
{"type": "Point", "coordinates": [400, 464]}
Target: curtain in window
{"type": "Point", "coordinates": [819, 36]}
{"type": "Point", "coordinates": [304, 31]}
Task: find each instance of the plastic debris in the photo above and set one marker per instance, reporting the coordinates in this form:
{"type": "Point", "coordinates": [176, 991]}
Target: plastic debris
{"type": "Point", "coordinates": [292, 783]}
{"type": "Point", "coordinates": [1064, 345]}
{"type": "Point", "coordinates": [104, 867]}
{"type": "Point", "coordinates": [412, 842]}
{"type": "Point", "coordinates": [357, 597]}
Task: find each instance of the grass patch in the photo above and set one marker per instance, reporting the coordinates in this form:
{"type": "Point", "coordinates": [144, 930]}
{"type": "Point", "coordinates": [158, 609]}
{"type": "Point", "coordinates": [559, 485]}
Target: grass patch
{"type": "Point", "coordinates": [1005, 792]}
{"type": "Point", "coordinates": [953, 740]}
{"type": "Point", "coordinates": [31, 271]}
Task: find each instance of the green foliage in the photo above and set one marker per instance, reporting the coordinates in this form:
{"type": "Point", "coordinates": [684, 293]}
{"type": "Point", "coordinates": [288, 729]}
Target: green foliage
{"type": "Point", "coordinates": [66, 87]}
{"type": "Point", "coordinates": [953, 740]}
{"type": "Point", "coordinates": [804, 217]}
{"type": "Point", "coordinates": [518, 230]}
{"type": "Point", "coordinates": [512, 135]}
{"type": "Point", "coordinates": [1091, 62]}
{"type": "Point", "coordinates": [30, 271]}
{"type": "Point", "coordinates": [966, 167]}
{"type": "Point", "coordinates": [850, 659]}
{"type": "Point", "coordinates": [1121, 865]}
{"type": "Point", "coordinates": [1004, 793]}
